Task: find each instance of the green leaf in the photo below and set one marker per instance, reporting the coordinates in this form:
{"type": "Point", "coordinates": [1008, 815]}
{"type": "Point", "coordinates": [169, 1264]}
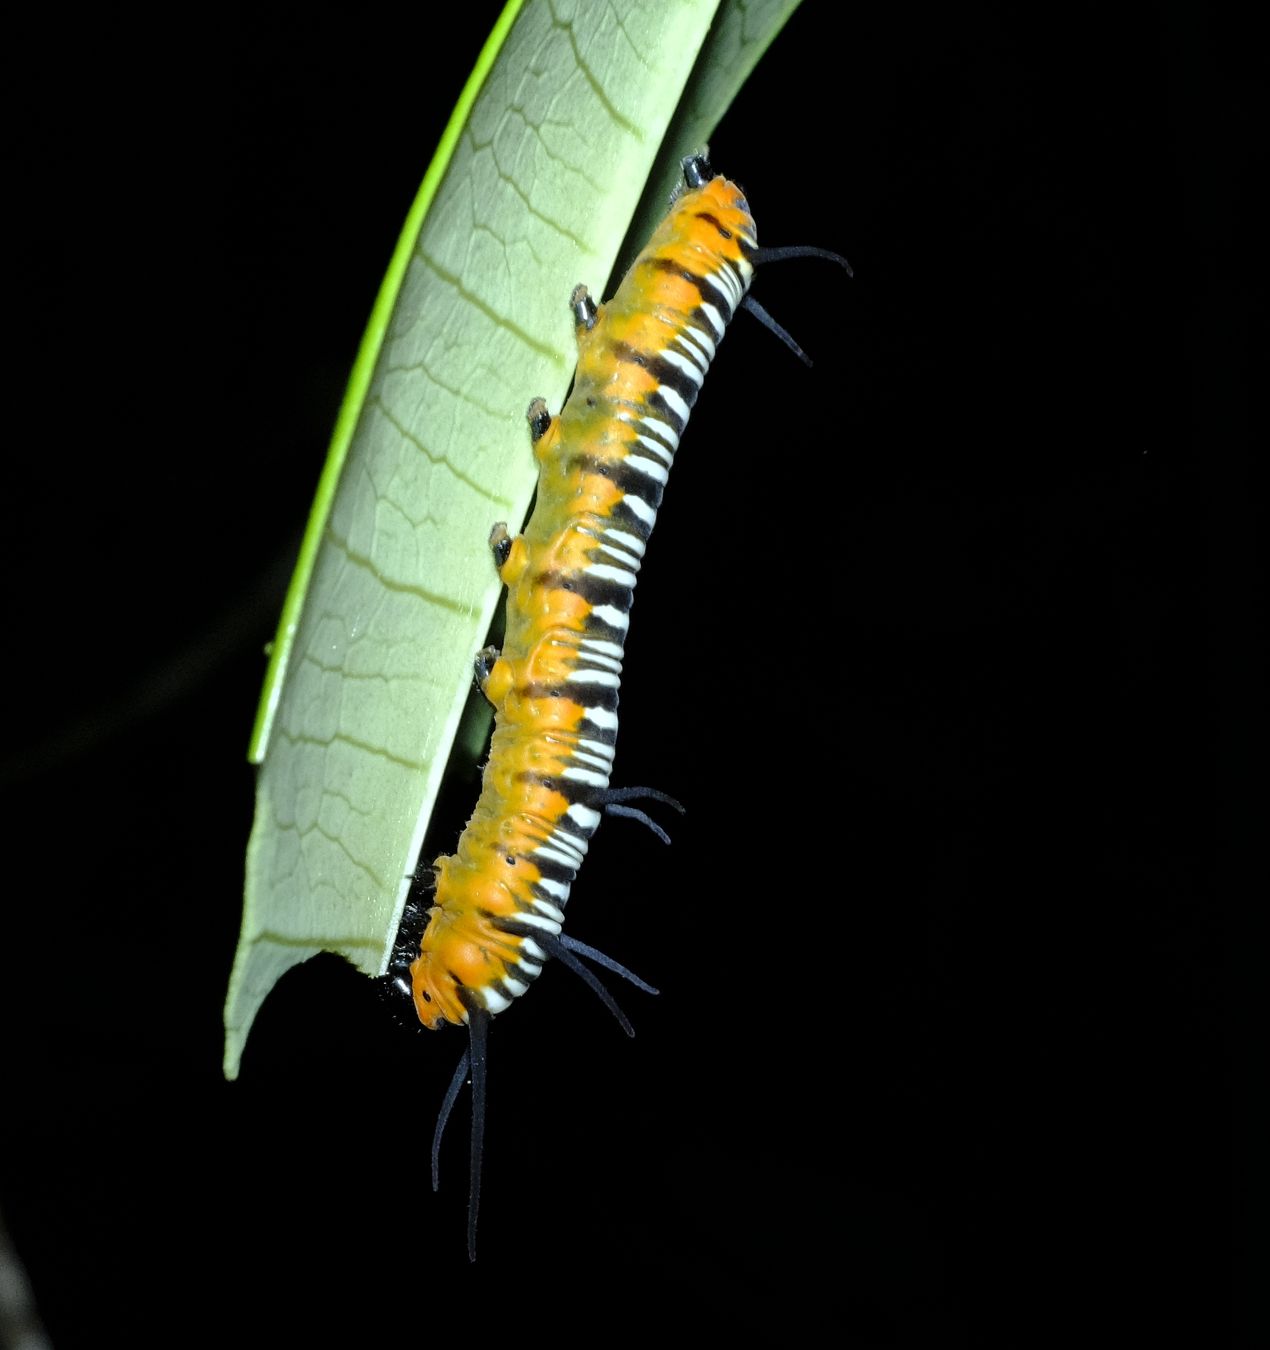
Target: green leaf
{"type": "Point", "coordinates": [538, 174]}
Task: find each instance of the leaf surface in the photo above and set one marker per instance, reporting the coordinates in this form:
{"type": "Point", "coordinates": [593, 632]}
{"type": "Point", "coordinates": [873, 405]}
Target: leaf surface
{"type": "Point", "coordinates": [535, 183]}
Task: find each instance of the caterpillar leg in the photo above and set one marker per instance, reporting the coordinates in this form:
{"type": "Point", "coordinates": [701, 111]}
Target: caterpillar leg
{"type": "Point", "coordinates": [509, 553]}
{"type": "Point", "coordinates": [493, 675]}
{"type": "Point", "coordinates": [586, 317]}
{"type": "Point", "coordinates": [543, 428]}
{"type": "Point", "coordinates": [482, 665]}
{"type": "Point", "coordinates": [585, 311]}
{"type": "Point", "coordinates": [500, 543]}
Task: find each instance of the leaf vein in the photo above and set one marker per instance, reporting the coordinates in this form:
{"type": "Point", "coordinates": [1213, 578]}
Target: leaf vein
{"type": "Point", "coordinates": [593, 80]}
{"type": "Point", "coordinates": [398, 587]}
{"type": "Point", "coordinates": [412, 439]}
{"type": "Point", "coordinates": [499, 320]}
{"type": "Point", "coordinates": [380, 751]}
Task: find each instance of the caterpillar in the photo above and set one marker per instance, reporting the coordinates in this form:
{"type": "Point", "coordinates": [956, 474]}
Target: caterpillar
{"type": "Point", "coordinates": [498, 910]}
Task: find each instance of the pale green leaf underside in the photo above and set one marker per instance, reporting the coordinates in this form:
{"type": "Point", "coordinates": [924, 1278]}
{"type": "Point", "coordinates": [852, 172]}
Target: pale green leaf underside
{"type": "Point", "coordinates": [534, 185]}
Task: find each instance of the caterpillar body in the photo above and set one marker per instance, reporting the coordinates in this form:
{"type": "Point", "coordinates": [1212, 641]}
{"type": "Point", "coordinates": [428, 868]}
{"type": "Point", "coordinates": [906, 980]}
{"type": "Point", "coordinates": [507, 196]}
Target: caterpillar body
{"type": "Point", "coordinates": [499, 905]}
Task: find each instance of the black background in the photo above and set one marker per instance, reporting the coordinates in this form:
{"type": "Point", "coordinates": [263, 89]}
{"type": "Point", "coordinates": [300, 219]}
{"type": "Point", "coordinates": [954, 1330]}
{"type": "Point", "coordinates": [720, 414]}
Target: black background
{"type": "Point", "coordinates": [948, 644]}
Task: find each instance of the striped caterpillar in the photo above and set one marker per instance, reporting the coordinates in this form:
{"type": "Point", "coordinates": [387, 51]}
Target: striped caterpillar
{"type": "Point", "coordinates": [500, 899]}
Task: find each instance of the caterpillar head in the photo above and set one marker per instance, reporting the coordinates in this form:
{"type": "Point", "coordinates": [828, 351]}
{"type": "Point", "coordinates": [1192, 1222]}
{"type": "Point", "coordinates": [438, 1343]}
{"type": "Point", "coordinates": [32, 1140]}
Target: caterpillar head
{"type": "Point", "coordinates": [462, 958]}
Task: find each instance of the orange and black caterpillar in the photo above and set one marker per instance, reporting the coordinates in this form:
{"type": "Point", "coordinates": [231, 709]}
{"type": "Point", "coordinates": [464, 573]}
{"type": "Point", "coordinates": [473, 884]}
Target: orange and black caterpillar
{"type": "Point", "coordinates": [500, 899]}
